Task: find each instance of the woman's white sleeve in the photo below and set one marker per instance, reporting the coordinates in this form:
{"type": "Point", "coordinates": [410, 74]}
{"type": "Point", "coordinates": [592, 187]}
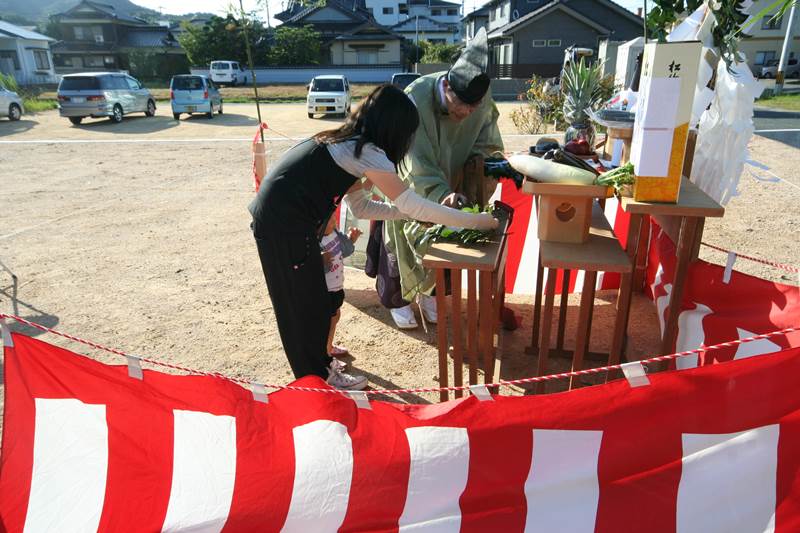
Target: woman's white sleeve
{"type": "Point", "coordinates": [414, 206]}
{"type": "Point", "coordinates": [362, 206]}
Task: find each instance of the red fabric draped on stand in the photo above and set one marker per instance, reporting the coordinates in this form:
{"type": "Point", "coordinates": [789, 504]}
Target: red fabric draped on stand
{"type": "Point", "coordinates": [86, 447]}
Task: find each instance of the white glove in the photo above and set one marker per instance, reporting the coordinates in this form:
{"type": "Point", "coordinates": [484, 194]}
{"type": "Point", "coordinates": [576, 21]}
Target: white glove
{"type": "Point", "coordinates": [364, 207]}
{"type": "Point", "coordinates": [414, 206]}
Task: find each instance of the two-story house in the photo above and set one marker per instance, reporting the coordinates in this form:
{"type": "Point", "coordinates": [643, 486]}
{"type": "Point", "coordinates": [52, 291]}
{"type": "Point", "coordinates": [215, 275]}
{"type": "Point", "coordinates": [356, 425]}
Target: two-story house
{"type": "Point", "coordinates": [349, 33]}
{"type": "Point", "coordinates": [95, 37]}
{"type": "Point", "coordinates": [473, 22]}
{"type": "Point", "coordinates": [436, 21]}
{"type": "Point", "coordinates": [766, 38]}
{"type": "Point", "coordinates": [25, 55]}
{"type": "Point", "coordinates": [529, 36]}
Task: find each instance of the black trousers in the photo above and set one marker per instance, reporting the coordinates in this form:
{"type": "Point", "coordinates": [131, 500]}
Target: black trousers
{"type": "Point", "coordinates": [295, 277]}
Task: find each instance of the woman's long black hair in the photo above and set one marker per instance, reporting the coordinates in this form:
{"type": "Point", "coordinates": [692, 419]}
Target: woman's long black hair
{"type": "Point", "coordinates": [387, 118]}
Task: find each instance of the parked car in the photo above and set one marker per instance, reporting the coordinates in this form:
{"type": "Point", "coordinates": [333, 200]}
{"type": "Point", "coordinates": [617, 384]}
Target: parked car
{"type": "Point", "coordinates": [328, 95]}
{"type": "Point", "coordinates": [770, 69]}
{"type": "Point", "coordinates": [103, 94]}
{"type": "Point", "coordinates": [10, 103]}
{"type": "Point", "coordinates": [401, 80]}
{"type": "Point", "coordinates": [194, 94]}
{"type": "Point", "coordinates": [228, 73]}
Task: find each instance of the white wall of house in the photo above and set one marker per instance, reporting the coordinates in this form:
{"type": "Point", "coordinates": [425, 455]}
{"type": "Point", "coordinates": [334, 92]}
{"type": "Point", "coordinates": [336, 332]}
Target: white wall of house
{"type": "Point", "coordinates": [366, 53]}
{"type": "Point", "coordinates": [28, 60]}
{"type": "Point", "coordinates": [767, 38]}
{"type": "Point", "coordinates": [387, 12]}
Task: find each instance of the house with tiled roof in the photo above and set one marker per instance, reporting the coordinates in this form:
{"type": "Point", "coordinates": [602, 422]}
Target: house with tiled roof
{"type": "Point", "coordinates": [350, 34]}
{"type": "Point", "coordinates": [96, 37]}
{"type": "Point", "coordinates": [529, 36]}
{"type": "Point", "coordinates": [25, 55]}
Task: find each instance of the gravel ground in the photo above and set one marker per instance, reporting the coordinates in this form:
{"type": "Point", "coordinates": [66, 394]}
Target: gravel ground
{"type": "Point", "coordinates": [144, 246]}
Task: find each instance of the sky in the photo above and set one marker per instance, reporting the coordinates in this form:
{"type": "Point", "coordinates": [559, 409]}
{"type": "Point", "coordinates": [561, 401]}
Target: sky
{"type": "Point", "coordinates": [179, 7]}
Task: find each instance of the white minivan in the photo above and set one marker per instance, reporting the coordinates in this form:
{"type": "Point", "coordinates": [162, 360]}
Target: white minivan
{"type": "Point", "coordinates": [228, 73]}
{"type": "Point", "coordinates": [328, 95]}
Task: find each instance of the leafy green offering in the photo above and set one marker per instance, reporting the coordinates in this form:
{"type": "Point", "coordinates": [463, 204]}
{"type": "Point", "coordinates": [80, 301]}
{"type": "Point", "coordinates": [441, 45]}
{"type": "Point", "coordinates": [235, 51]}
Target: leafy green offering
{"type": "Point", "coordinates": [617, 178]}
{"type": "Point", "coordinates": [440, 232]}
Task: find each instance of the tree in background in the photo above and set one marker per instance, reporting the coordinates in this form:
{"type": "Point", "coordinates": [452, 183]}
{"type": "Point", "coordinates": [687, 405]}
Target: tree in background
{"type": "Point", "coordinates": [222, 38]}
{"type": "Point", "coordinates": [295, 46]}
{"type": "Point", "coordinates": [439, 52]}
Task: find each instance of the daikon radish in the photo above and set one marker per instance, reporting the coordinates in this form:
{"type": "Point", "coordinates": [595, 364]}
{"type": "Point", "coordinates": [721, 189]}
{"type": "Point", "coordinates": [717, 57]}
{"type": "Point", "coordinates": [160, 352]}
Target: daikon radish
{"type": "Point", "coordinates": [548, 172]}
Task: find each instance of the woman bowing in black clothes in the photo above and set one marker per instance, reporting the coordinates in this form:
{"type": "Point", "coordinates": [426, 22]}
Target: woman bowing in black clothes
{"type": "Point", "coordinates": [299, 194]}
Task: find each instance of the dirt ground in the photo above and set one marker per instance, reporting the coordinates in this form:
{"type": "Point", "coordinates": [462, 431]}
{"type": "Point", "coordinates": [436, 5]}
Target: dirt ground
{"type": "Point", "coordinates": [139, 240]}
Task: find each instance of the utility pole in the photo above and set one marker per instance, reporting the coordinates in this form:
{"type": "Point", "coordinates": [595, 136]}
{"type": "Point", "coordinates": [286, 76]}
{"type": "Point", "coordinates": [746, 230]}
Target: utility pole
{"type": "Point", "coordinates": [784, 52]}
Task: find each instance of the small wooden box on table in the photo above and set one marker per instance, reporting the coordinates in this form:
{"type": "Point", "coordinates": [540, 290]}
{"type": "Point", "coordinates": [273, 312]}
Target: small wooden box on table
{"type": "Point", "coordinates": [484, 266]}
{"type": "Point", "coordinates": [683, 222]}
{"type": "Point", "coordinates": [601, 252]}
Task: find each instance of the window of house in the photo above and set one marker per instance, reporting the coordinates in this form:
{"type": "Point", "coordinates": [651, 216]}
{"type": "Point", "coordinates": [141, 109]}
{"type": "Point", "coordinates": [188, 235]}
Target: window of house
{"type": "Point", "coordinates": [763, 57]}
{"type": "Point", "coordinates": [97, 34]}
{"type": "Point", "coordinates": [403, 9]}
{"type": "Point", "coordinates": [539, 42]}
{"type": "Point", "coordinates": [503, 9]}
{"type": "Point", "coordinates": [367, 56]}
{"type": "Point", "coordinates": [41, 59]}
{"type": "Point", "coordinates": [491, 15]}
{"type": "Point", "coordinates": [69, 61]}
{"type": "Point", "coordinates": [93, 61]}
{"type": "Point", "coordinates": [388, 10]}
{"type": "Point", "coordinates": [767, 23]}
{"type": "Point", "coordinates": [554, 42]}
{"type": "Point", "coordinates": [78, 31]}
{"type": "Point", "coordinates": [452, 12]}
{"type": "Point", "coordinates": [436, 12]}
{"type": "Point", "coordinates": [12, 55]}
{"type": "Point", "coordinates": [437, 41]}
{"type": "Point", "coordinates": [109, 61]}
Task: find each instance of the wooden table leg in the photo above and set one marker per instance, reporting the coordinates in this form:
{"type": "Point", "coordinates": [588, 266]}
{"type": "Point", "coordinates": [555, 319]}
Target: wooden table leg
{"type": "Point", "coordinates": [684, 257]}
{"type": "Point", "coordinates": [458, 341]}
{"type": "Point", "coordinates": [584, 319]}
{"type": "Point", "coordinates": [547, 322]}
{"type": "Point", "coordinates": [537, 308]}
{"type": "Point", "coordinates": [625, 292]}
{"type": "Point", "coordinates": [472, 326]}
{"type": "Point", "coordinates": [486, 325]}
{"type": "Point", "coordinates": [562, 309]}
{"type": "Point", "coordinates": [640, 261]}
{"type": "Point", "coordinates": [441, 311]}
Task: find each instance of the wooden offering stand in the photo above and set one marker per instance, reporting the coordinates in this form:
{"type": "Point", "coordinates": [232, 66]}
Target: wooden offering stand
{"type": "Point", "coordinates": [484, 266]}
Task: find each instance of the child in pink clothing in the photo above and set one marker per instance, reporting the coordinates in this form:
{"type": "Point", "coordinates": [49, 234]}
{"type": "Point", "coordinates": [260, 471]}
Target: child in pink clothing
{"type": "Point", "coordinates": [335, 246]}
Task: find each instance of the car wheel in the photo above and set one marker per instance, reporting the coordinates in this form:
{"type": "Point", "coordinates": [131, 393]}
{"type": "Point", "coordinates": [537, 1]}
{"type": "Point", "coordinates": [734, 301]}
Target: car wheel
{"type": "Point", "coordinates": [116, 117]}
{"type": "Point", "coordinates": [176, 116]}
{"type": "Point", "coordinates": [14, 112]}
{"type": "Point", "coordinates": [767, 76]}
{"type": "Point", "coordinates": [220, 107]}
{"type": "Point", "coordinates": [311, 115]}
{"type": "Point", "coordinates": [151, 108]}
{"type": "Point", "coordinates": [75, 120]}
{"type": "Point", "coordinates": [210, 114]}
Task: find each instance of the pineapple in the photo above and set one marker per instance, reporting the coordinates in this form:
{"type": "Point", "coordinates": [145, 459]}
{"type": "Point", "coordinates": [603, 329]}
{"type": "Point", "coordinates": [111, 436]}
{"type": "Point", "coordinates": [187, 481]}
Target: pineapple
{"type": "Point", "coordinates": [582, 87]}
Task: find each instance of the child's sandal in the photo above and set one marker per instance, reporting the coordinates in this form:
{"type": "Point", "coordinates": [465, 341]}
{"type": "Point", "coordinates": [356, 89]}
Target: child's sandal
{"type": "Point", "coordinates": [338, 351]}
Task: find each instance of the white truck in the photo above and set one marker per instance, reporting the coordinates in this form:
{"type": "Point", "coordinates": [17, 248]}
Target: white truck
{"type": "Point", "coordinates": [228, 73]}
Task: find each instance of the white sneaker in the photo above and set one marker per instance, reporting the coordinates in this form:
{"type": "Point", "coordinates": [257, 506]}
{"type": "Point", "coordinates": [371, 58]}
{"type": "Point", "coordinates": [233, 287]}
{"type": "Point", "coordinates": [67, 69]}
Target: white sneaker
{"type": "Point", "coordinates": [404, 317]}
{"type": "Point", "coordinates": [427, 306]}
{"type": "Point", "coordinates": [344, 381]}
{"type": "Point", "coordinates": [338, 364]}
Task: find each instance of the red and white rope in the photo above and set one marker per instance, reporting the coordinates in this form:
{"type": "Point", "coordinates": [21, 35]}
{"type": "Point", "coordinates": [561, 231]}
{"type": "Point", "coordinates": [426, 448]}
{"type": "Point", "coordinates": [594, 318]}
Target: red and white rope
{"type": "Point", "coordinates": [501, 383]}
{"type": "Point", "coordinates": [787, 268]}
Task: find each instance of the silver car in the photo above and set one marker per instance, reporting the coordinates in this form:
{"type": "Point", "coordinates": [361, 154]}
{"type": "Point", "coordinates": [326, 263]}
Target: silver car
{"type": "Point", "coordinates": [770, 69]}
{"type": "Point", "coordinates": [10, 104]}
{"type": "Point", "coordinates": [103, 94]}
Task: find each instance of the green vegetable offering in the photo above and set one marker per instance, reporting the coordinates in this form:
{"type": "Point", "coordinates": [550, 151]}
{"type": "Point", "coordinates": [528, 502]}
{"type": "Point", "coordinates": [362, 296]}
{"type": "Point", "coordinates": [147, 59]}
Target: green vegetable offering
{"type": "Point", "coordinates": [617, 178]}
{"type": "Point", "coordinates": [441, 232]}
